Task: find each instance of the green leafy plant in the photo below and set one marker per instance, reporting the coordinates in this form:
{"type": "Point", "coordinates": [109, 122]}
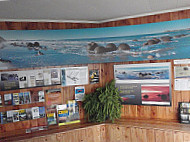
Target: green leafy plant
{"type": "Point", "coordinates": [103, 104]}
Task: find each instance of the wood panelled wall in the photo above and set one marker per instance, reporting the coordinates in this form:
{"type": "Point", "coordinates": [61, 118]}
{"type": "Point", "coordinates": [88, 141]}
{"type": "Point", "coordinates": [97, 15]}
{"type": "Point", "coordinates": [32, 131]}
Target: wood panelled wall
{"type": "Point", "coordinates": [106, 71]}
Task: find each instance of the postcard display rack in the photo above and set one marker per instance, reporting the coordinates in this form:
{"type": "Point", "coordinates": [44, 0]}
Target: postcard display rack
{"type": "Point", "coordinates": [37, 103]}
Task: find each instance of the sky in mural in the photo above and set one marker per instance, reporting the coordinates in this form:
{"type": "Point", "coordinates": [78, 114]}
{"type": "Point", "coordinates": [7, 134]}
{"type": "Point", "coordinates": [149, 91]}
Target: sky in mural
{"type": "Point", "coordinates": [96, 32]}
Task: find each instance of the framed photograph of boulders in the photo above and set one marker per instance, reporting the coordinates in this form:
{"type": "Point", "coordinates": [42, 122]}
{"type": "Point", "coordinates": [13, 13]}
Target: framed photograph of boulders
{"type": "Point", "coordinates": [41, 48]}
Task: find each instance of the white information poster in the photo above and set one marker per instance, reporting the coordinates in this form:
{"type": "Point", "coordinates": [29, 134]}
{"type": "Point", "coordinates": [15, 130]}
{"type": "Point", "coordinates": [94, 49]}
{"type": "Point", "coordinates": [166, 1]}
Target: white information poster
{"type": "Point", "coordinates": [181, 71]}
{"type": "Point", "coordinates": [182, 61]}
{"type": "Point", "coordinates": [74, 76]}
{"type": "Point", "coordinates": [182, 84]}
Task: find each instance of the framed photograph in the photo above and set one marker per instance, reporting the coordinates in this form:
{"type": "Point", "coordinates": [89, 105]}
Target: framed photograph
{"type": "Point", "coordinates": [144, 84]}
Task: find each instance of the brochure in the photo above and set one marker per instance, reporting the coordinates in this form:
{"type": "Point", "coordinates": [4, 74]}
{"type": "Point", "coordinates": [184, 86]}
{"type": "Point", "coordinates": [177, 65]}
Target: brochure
{"type": "Point", "coordinates": [39, 77]}
{"type": "Point", "coordinates": [31, 79]}
{"type": "Point", "coordinates": [35, 112]}
{"type": "Point", "coordinates": [9, 116]}
{"type": "Point", "coordinates": [15, 98]}
{"type": "Point", "coordinates": [42, 112]}
{"type": "Point", "coordinates": [0, 101]}
{"type": "Point", "coordinates": [41, 96]}
{"type": "Point", "coordinates": [55, 76]}
{"type": "Point", "coordinates": [22, 115]}
{"type": "Point", "coordinates": [29, 113]}
{"type": "Point", "coordinates": [22, 75]}
{"type": "Point", "coordinates": [21, 98]}
{"type": "Point", "coordinates": [27, 98]}
{"type": "Point", "coordinates": [51, 118]}
{"type": "Point", "coordinates": [47, 77]}
{"type": "Point", "coordinates": [8, 99]}
{"type": "Point", "coordinates": [15, 115]}
{"type": "Point", "coordinates": [94, 76]}
{"type": "Point", "coordinates": [62, 113]}
{"type": "Point", "coordinates": [3, 117]}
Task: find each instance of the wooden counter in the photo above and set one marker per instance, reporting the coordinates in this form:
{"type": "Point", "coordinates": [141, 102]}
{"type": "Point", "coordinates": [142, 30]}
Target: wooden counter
{"type": "Point", "coordinates": [123, 130]}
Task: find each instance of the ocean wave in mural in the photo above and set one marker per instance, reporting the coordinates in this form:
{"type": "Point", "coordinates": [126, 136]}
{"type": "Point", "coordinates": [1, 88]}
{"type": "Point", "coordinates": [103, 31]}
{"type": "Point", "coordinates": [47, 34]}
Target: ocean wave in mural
{"type": "Point", "coordinates": [39, 48]}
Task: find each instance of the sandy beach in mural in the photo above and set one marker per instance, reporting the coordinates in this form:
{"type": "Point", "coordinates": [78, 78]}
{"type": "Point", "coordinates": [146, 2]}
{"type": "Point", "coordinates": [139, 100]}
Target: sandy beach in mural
{"type": "Point", "coordinates": [26, 49]}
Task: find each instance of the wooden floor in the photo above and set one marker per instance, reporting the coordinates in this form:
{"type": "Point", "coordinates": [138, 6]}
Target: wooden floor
{"type": "Point", "coordinates": [123, 130]}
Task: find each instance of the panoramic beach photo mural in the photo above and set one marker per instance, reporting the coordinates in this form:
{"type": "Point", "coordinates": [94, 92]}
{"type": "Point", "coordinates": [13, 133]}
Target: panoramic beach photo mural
{"type": "Point", "coordinates": [40, 48]}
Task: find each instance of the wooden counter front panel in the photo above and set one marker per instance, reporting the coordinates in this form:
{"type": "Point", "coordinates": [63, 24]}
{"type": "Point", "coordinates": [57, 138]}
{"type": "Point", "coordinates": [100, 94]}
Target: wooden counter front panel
{"type": "Point", "coordinates": [89, 134]}
{"type": "Point", "coordinates": [115, 133]}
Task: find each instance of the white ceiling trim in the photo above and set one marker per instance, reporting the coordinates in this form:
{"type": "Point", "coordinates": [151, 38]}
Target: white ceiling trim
{"type": "Point", "coordinates": [94, 22]}
{"type": "Point", "coordinates": [48, 20]}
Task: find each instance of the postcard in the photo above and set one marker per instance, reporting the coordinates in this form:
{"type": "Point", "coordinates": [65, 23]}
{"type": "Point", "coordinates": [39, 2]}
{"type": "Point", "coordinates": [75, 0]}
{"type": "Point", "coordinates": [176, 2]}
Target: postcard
{"type": "Point", "coordinates": [94, 76]}
{"type": "Point", "coordinates": [79, 93]}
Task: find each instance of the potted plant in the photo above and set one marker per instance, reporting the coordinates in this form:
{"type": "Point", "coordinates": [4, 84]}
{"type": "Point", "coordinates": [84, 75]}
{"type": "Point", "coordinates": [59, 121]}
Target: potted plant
{"type": "Point", "coordinates": [103, 104]}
